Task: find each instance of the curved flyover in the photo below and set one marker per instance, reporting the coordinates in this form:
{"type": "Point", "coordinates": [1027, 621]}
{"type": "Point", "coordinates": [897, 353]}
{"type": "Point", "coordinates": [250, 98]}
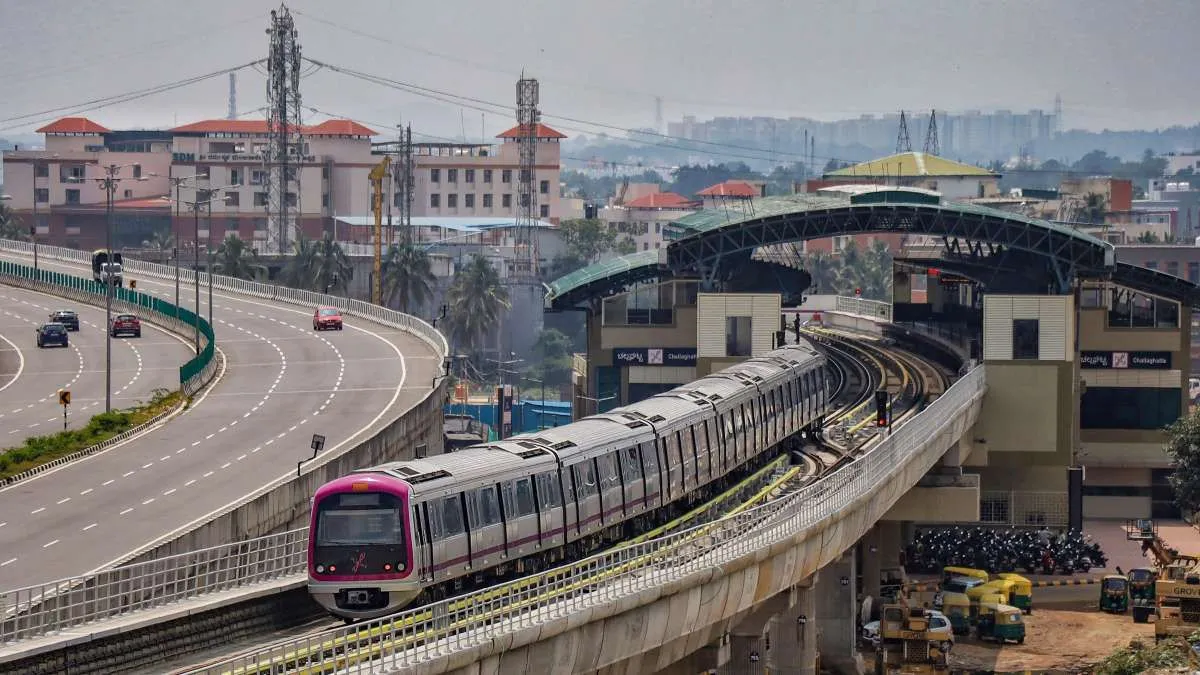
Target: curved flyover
{"type": "Point", "coordinates": [282, 383]}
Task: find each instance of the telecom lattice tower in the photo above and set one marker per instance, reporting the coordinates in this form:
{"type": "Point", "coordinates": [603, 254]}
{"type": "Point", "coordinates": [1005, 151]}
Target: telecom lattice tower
{"type": "Point", "coordinates": [931, 135]}
{"type": "Point", "coordinates": [528, 117]}
{"type": "Point", "coordinates": [285, 144]}
{"type": "Point", "coordinates": [232, 97]}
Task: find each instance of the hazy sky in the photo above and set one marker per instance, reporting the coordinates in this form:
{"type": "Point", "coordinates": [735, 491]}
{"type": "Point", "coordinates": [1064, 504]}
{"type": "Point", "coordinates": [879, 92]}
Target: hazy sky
{"type": "Point", "coordinates": [1117, 64]}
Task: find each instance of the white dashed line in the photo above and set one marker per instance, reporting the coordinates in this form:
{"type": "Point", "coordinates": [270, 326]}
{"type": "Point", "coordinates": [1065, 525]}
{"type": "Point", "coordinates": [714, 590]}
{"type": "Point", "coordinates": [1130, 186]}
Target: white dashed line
{"type": "Point", "coordinates": [37, 511]}
{"type": "Point", "coordinates": [189, 483]}
{"type": "Point", "coordinates": [86, 491]}
{"type": "Point", "coordinates": [148, 501]}
{"type": "Point", "coordinates": [127, 474]}
{"type": "Point", "coordinates": [89, 527]}
{"type": "Point", "coordinates": [50, 544]}
{"type": "Point", "coordinates": [8, 562]}
{"type": "Point", "coordinates": [108, 482]}
{"type": "Point", "coordinates": [126, 511]}
{"type": "Point", "coordinates": [63, 501]}
{"type": "Point", "coordinates": [169, 492]}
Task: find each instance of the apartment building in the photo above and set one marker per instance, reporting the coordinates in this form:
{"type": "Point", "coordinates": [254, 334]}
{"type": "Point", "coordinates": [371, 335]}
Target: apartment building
{"type": "Point", "coordinates": [645, 217]}
{"type": "Point", "coordinates": [329, 179]}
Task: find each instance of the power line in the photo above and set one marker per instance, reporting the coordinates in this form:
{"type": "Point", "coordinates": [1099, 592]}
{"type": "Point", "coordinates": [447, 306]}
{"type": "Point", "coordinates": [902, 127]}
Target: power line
{"type": "Point", "coordinates": [96, 104]}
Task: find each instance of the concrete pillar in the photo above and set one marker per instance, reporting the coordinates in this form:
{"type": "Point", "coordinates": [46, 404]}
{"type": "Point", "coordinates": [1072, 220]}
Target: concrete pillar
{"type": "Point", "coordinates": [837, 613]}
{"type": "Point", "coordinates": [872, 562]}
{"type": "Point", "coordinates": [747, 654]}
{"type": "Point", "coordinates": [794, 636]}
{"type": "Point", "coordinates": [703, 660]}
{"type": "Point", "coordinates": [891, 541]}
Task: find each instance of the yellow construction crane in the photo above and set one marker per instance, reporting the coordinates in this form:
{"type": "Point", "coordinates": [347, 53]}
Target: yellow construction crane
{"type": "Point", "coordinates": [377, 175]}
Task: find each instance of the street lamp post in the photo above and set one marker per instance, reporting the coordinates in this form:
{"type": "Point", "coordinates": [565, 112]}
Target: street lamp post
{"type": "Point", "coordinates": [203, 198]}
{"type": "Point", "coordinates": [178, 181]}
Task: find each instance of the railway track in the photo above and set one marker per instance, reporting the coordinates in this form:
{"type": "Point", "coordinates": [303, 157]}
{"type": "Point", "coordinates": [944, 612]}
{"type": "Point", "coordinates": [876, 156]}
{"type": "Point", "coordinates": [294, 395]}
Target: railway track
{"type": "Point", "coordinates": [862, 368]}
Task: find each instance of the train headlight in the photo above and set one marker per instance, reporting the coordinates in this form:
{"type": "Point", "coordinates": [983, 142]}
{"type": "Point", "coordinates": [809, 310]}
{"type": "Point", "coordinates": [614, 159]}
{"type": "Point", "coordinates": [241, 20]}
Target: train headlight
{"type": "Point", "coordinates": [387, 567]}
{"type": "Point", "coordinates": [320, 569]}
{"type": "Point", "coordinates": [399, 567]}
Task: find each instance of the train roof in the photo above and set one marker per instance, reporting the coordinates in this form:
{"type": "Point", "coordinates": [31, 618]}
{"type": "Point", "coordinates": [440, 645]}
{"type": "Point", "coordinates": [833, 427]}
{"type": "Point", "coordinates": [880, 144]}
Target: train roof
{"type": "Point", "coordinates": [465, 465]}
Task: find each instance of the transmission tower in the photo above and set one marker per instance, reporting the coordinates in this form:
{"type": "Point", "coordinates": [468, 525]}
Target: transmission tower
{"type": "Point", "coordinates": [903, 144]}
{"type": "Point", "coordinates": [931, 139]}
{"type": "Point", "coordinates": [285, 144]}
{"type": "Point", "coordinates": [528, 118]}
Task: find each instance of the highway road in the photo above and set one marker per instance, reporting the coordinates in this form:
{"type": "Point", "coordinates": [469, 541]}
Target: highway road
{"type": "Point", "coordinates": [283, 383]}
{"type": "Point", "coordinates": [30, 377]}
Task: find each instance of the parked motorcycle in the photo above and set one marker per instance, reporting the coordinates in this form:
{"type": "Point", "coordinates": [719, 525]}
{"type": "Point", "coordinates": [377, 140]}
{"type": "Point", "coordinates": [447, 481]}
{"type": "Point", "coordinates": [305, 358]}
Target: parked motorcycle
{"type": "Point", "coordinates": [1004, 550]}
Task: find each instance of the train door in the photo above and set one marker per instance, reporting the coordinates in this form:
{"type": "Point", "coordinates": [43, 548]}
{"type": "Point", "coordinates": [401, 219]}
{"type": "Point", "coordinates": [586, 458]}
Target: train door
{"type": "Point", "coordinates": [549, 501]}
{"type": "Point", "coordinates": [700, 444]}
{"type": "Point", "coordinates": [587, 495]}
{"type": "Point", "coordinates": [612, 502]}
{"type": "Point", "coordinates": [655, 497]}
{"type": "Point", "coordinates": [485, 527]}
{"type": "Point", "coordinates": [449, 541]}
{"type": "Point", "coordinates": [633, 481]}
{"type": "Point", "coordinates": [520, 517]}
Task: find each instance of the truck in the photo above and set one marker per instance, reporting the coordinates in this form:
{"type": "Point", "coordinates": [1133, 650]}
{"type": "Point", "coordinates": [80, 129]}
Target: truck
{"type": "Point", "coordinates": [905, 644]}
{"type": "Point", "coordinates": [107, 266]}
{"type": "Point", "coordinates": [1176, 585]}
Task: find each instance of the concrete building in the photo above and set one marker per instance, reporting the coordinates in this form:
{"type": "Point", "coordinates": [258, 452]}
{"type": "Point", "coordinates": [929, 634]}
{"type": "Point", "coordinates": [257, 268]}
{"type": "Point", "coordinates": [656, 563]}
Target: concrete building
{"type": "Point", "coordinates": [644, 218]}
{"type": "Point", "coordinates": [331, 171]}
{"type": "Point", "coordinates": [954, 180]}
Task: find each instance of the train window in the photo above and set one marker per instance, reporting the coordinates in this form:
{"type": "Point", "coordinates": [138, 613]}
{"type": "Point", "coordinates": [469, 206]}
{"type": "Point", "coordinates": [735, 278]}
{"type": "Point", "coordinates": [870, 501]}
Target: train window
{"type": "Point", "coordinates": [487, 506]}
{"type": "Point", "coordinates": [568, 485]}
{"type": "Point", "coordinates": [631, 467]}
{"type": "Point", "coordinates": [547, 490]}
{"type": "Point", "coordinates": [650, 457]}
{"type": "Point", "coordinates": [452, 516]}
{"type": "Point", "coordinates": [608, 471]}
{"type": "Point", "coordinates": [525, 505]}
{"type": "Point", "coordinates": [585, 479]}
{"type": "Point", "coordinates": [508, 500]}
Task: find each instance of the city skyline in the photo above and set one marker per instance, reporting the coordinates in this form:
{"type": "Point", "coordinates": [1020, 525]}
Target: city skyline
{"type": "Point", "coordinates": [1110, 76]}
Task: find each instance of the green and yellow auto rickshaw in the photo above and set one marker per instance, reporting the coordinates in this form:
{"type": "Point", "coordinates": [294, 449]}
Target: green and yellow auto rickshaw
{"type": "Point", "coordinates": [949, 573]}
{"type": "Point", "coordinates": [1114, 594]}
{"type": "Point", "coordinates": [1022, 592]}
{"type": "Point", "coordinates": [1000, 622]}
{"type": "Point", "coordinates": [957, 608]}
{"type": "Point", "coordinates": [1141, 593]}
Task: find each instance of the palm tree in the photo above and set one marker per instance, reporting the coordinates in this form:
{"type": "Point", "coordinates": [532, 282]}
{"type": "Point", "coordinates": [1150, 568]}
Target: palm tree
{"type": "Point", "coordinates": [160, 240]}
{"type": "Point", "coordinates": [333, 270]}
{"type": "Point", "coordinates": [823, 269]}
{"type": "Point", "coordinates": [876, 275]}
{"type": "Point", "coordinates": [300, 270]}
{"type": "Point", "coordinates": [407, 276]}
{"type": "Point", "coordinates": [475, 300]}
{"type": "Point", "coordinates": [235, 259]}
{"type": "Point", "coordinates": [850, 274]}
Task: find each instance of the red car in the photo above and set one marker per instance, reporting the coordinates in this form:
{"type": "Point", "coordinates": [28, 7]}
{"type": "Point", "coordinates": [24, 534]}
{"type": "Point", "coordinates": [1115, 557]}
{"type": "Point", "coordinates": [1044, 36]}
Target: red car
{"type": "Point", "coordinates": [125, 324]}
{"type": "Point", "coordinates": [327, 318]}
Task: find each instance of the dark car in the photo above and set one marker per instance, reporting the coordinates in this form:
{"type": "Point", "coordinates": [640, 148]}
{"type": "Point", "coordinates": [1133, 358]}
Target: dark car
{"type": "Point", "coordinates": [125, 324]}
{"type": "Point", "coordinates": [67, 318]}
{"type": "Point", "coordinates": [51, 334]}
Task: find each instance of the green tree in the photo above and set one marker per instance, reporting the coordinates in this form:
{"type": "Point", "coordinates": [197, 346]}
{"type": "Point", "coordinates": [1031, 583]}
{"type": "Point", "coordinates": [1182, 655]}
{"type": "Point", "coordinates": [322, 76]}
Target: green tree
{"type": "Point", "coordinates": [1183, 445]}
{"type": "Point", "coordinates": [407, 277]}
{"type": "Point", "coordinates": [625, 246]}
{"type": "Point", "coordinates": [586, 239]}
{"type": "Point", "coordinates": [300, 270]}
{"type": "Point", "coordinates": [1148, 237]}
{"type": "Point", "coordinates": [334, 269]}
{"type": "Point", "coordinates": [824, 271]}
{"type": "Point", "coordinates": [10, 225]}
{"type": "Point", "coordinates": [475, 301]}
{"type": "Point", "coordinates": [1093, 209]}
{"type": "Point", "coordinates": [876, 276]}
{"type": "Point", "coordinates": [553, 350]}
{"type": "Point", "coordinates": [235, 259]}
{"type": "Point", "coordinates": [850, 272]}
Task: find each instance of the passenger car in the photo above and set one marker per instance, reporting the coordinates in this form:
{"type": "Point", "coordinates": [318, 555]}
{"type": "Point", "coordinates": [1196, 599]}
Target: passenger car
{"type": "Point", "coordinates": [327, 318]}
{"type": "Point", "coordinates": [51, 333]}
{"type": "Point", "coordinates": [67, 318]}
{"type": "Point", "coordinates": [125, 324]}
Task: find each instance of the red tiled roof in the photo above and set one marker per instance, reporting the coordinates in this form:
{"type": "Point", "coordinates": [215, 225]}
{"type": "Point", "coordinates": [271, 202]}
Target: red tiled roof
{"type": "Point", "coordinates": [660, 200]}
{"type": "Point", "coordinates": [159, 202]}
{"type": "Point", "coordinates": [339, 128]}
{"type": "Point", "coordinates": [73, 125]}
{"type": "Point", "coordinates": [543, 131]}
{"type": "Point", "coordinates": [730, 188]}
{"type": "Point", "coordinates": [326, 128]}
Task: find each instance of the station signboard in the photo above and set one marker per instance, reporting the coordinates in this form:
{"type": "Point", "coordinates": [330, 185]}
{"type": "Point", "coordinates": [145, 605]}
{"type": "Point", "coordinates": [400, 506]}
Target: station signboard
{"type": "Point", "coordinates": [1129, 360]}
{"type": "Point", "coordinates": [643, 356]}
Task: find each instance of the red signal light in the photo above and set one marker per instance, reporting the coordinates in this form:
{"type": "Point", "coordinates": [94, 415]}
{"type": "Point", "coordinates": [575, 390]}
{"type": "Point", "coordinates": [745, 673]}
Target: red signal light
{"type": "Point", "coordinates": [933, 272]}
{"type": "Point", "coordinates": [857, 292]}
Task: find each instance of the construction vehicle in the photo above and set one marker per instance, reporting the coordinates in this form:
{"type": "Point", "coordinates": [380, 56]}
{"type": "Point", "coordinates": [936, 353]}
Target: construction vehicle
{"type": "Point", "coordinates": [1177, 587]}
{"type": "Point", "coordinates": [378, 173]}
{"type": "Point", "coordinates": [905, 643]}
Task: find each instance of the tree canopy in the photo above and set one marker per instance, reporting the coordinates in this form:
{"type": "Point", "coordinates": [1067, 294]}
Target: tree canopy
{"type": "Point", "coordinates": [1183, 445]}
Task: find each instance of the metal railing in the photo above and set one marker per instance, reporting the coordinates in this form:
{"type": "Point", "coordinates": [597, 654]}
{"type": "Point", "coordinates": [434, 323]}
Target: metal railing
{"type": "Point", "coordinates": [41, 609]}
{"type": "Point", "coordinates": [193, 374]}
{"type": "Point", "coordinates": [1024, 508]}
{"type": "Point", "coordinates": [293, 296]}
{"type": "Point", "coordinates": [877, 309]}
{"type": "Point", "coordinates": [484, 617]}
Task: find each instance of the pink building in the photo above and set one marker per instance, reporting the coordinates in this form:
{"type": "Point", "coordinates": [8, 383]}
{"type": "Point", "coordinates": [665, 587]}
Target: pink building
{"type": "Point", "coordinates": [55, 184]}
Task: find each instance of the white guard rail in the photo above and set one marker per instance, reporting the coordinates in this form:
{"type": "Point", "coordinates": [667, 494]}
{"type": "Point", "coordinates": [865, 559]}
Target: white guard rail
{"type": "Point", "coordinates": [42, 609]}
{"type": "Point", "coordinates": [873, 308]}
{"type": "Point", "coordinates": [364, 310]}
{"type": "Point", "coordinates": [419, 635]}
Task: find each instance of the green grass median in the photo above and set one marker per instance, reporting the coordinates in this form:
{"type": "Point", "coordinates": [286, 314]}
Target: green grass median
{"type": "Point", "coordinates": [39, 450]}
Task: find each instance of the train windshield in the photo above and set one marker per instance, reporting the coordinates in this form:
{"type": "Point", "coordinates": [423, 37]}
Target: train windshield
{"type": "Point", "coordinates": [356, 519]}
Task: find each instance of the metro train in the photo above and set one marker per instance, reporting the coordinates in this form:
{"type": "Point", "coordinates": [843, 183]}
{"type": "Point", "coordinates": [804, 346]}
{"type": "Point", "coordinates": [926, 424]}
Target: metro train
{"type": "Point", "coordinates": [383, 536]}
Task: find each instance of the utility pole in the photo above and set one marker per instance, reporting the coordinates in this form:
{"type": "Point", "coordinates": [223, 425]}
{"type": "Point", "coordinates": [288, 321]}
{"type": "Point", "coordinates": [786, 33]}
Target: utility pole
{"type": "Point", "coordinates": [177, 182]}
{"type": "Point", "coordinates": [203, 198]}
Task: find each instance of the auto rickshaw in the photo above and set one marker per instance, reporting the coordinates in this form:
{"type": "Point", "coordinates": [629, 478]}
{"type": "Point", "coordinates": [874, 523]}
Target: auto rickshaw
{"type": "Point", "coordinates": [1022, 592]}
{"type": "Point", "coordinates": [1000, 622]}
{"type": "Point", "coordinates": [1114, 594]}
{"type": "Point", "coordinates": [949, 573]}
{"type": "Point", "coordinates": [1141, 593]}
{"type": "Point", "coordinates": [957, 608]}
{"type": "Point", "coordinates": [981, 595]}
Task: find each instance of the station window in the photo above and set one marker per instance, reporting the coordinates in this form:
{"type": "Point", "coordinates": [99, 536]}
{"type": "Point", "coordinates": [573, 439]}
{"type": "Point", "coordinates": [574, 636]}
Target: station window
{"type": "Point", "coordinates": [1129, 407]}
{"type": "Point", "coordinates": [1136, 310]}
{"type": "Point", "coordinates": [1025, 339]}
{"type": "Point", "coordinates": [1193, 272]}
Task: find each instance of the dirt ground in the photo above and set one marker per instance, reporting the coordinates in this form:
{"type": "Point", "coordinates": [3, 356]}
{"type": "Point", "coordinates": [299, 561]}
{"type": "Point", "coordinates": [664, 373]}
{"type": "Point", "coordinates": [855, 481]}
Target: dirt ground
{"type": "Point", "coordinates": [1054, 640]}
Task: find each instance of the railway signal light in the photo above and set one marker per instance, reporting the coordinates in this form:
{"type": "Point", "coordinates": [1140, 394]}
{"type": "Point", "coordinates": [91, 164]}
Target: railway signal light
{"type": "Point", "coordinates": [881, 408]}
{"type": "Point", "coordinates": [858, 292]}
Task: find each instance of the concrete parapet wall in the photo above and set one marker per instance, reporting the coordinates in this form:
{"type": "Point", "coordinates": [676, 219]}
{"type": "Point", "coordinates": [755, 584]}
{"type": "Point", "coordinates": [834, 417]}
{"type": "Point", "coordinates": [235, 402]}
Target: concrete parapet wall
{"type": "Point", "coordinates": [284, 504]}
{"type": "Point", "coordinates": [649, 631]}
{"type": "Point", "coordinates": [854, 322]}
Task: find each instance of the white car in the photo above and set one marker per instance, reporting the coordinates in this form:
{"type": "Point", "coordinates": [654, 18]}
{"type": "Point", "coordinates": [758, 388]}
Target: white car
{"type": "Point", "coordinates": [939, 625]}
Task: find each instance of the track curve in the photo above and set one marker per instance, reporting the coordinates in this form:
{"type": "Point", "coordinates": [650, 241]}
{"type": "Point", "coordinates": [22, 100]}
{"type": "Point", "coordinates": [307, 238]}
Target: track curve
{"type": "Point", "coordinates": [282, 383]}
